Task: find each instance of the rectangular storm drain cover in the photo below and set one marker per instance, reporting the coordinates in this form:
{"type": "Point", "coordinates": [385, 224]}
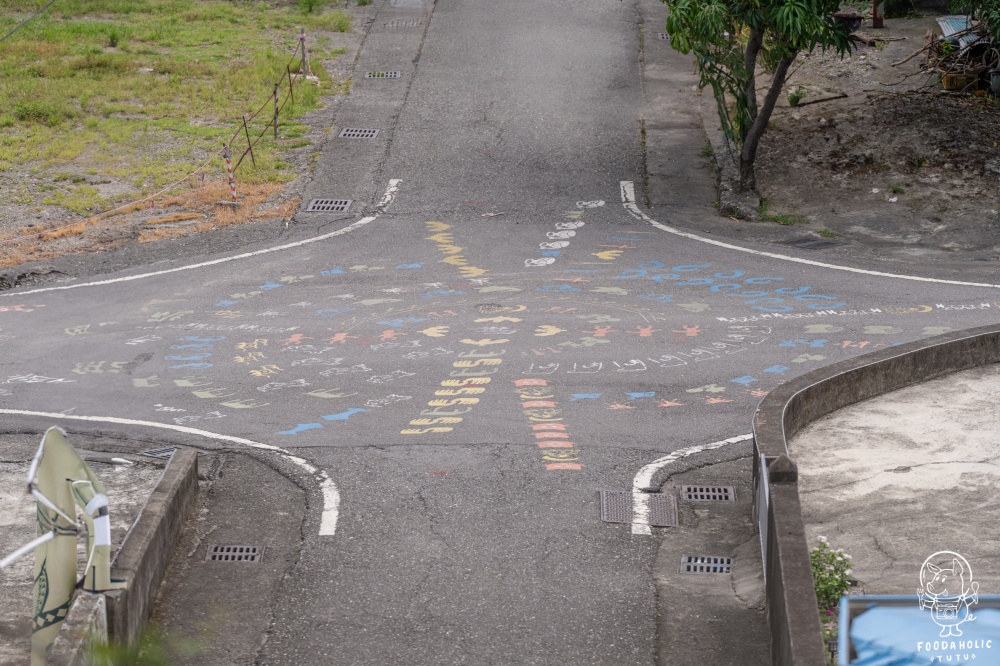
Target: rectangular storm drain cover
{"type": "Point", "coordinates": [705, 564]}
{"type": "Point", "coordinates": [163, 452]}
{"type": "Point", "coordinates": [381, 75]}
{"type": "Point", "coordinates": [618, 506]}
{"type": "Point", "coordinates": [810, 243]}
{"type": "Point", "coordinates": [329, 205]}
{"type": "Point", "coordinates": [358, 133]}
{"type": "Point", "coordinates": [662, 35]}
{"type": "Point", "coordinates": [401, 24]}
{"type": "Point", "coordinates": [708, 493]}
{"type": "Point", "coordinates": [235, 553]}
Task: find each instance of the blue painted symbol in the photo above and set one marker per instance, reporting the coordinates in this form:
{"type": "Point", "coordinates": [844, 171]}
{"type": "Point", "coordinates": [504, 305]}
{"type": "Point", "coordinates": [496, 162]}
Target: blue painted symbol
{"type": "Point", "coordinates": [777, 369]}
{"type": "Point", "coordinates": [745, 380]}
{"type": "Point", "coordinates": [301, 428]}
{"type": "Point", "coordinates": [585, 396]}
{"type": "Point", "coordinates": [805, 343]}
{"type": "Point", "coordinates": [410, 266]}
{"type": "Point", "coordinates": [550, 253]}
{"type": "Point", "coordinates": [270, 285]}
{"type": "Point", "coordinates": [343, 416]}
{"type": "Point", "coordinates": [402, 321]}
{"type": "Point", "coordinates": [332, 271]}
{"type": "Point", "coordinates": [333, 312]}
{"type": "Point", "coordinates": [442, 292]}
{"type": "Point", "coordinates": [225, 304]}
{"type": "Point", "coordinates": [636, 396]}
{"type": "Point", "coordinates": [659, 298]}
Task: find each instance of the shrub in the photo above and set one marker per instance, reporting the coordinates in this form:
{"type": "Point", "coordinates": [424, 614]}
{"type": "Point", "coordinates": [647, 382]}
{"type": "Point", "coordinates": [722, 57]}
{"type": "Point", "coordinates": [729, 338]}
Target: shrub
{"type": "Point", "coordinates": [831, 570]}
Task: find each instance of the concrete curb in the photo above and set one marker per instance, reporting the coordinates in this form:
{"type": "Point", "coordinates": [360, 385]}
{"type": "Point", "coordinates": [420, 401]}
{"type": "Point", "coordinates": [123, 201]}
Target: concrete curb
{"type": "Point", "coordinates": [86, 623]}
{"type": "Point", "coordinates": [143, 558]}
{"type": "Point", "coordinates": [731, 202]}
{"type": "Point", "coordinates": [791, 600]}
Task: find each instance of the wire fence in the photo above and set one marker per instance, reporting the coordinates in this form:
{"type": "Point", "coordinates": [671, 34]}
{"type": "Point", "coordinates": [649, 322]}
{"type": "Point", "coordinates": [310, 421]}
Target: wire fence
{"type": "Point", "coordinates": [196, 178]}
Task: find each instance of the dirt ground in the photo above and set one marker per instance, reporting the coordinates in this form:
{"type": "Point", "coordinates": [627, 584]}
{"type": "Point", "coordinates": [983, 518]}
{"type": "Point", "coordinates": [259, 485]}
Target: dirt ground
{"type": "Point", "coordinates": [898, 164]}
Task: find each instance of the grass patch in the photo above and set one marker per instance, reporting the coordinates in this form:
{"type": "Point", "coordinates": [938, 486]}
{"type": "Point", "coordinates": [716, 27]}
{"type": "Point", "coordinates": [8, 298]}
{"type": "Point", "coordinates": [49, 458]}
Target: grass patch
{"type": "Point", "coordinates": [897, 189]}
{"type": "Point", "coordinates": [144, 91]}
{"type": "Point", "coordinates": [787, 219]}
{"type": "Point", "coordinates": [827, 233]}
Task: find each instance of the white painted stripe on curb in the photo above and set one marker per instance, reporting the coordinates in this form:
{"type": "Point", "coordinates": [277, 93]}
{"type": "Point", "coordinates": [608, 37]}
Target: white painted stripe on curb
{"type": "Point", "coordinates": [641, 484]}
{"type": "Point", "coordinates": [387, 198]}
{"type": "Point", "coordinates": [628, 200]}
{"type": "Point", "coordinates": [331, 496]}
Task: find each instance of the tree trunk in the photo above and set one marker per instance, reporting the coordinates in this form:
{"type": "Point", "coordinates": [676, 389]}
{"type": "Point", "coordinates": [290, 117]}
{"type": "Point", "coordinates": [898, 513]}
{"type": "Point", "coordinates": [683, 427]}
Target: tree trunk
{"type": "Point", "coordinates": [751, 141]}
{"type": "Point", "coordinates": [754, 42]}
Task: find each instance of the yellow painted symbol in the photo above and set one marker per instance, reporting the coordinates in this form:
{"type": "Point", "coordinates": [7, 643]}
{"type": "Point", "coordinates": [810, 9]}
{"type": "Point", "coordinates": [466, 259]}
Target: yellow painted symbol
{"type": "Point", "coordinates": [421, 431]}
{"type": "Point", "coordinates": [449, 249]}
{"type": "Point", "coordinates": [484, 341]}
{"type": "Point", "coordinates": [547, 330]}
{"type": "Point", "coordinates": [442, 419]}
{"type": "Point", "coordinates": [326, 393]}
{"type": "Point", "coordinates": [472, 271]}
{"type": "Point", "coordinates": [144, 383]}
{"type": "Point", "coordinates": [244, 404]}
{"type": "Point", "coordinates": [442, 238]}
{"type": "Point", "coordinates": [573, 214]}
{"type": "Point", "coordinates": [468, 381]}
{"type": "Point", "coordinates": [461, 391]}
{"type": "Point", "coordinates": [694, 307]}
{"type": "Point", "coordinates": [477, 362]}
{"type": "Point", "coordinates": [213, 393]}
{"type": "Point", "coordinates": [191, 381]}
{"type": "Point", "coordinates": [453, 401]}
{"type": "Point", "coordinates": [435, 331]}
{"type": "Point", "coordinates": [496, 320]}
{"type": "Point", "coordinates": [437, 226]}
{"type": "Point", "coordinates": [455, 261]}
{"type": "Point", "coordinates": [487, 290]}
{"type": "Point", "coordinates": [608, 255]}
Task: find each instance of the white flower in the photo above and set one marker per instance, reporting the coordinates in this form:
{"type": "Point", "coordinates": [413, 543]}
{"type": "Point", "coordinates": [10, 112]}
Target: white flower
{"type": "Point", "coordinates": [821, 539]}
{"type": "Point", "coordinates": [847, 556]}
{"type": "Point", "coordinates": [848, 572]}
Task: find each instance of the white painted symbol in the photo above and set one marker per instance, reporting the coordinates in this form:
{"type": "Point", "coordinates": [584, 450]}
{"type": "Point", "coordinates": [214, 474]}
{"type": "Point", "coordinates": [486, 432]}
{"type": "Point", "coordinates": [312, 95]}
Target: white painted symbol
{"type": "Point", "coordinates": [569, 225]}
{"type": "Point", "coordinates": [553, 235]}
{"type": "Point", "coordinates": [553, 246]}
{"type": "Point", "coordinates": [589, 204]}
{"type": "Point", "coordinates": [544, 261]}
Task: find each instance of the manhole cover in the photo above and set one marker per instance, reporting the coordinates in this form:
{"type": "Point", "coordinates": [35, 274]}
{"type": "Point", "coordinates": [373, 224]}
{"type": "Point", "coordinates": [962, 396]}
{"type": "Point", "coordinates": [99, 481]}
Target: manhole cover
{"type": "Point", "coordinates": [705, 564]}
{"type": "Point", "coordinates": [708, 493]}
{"type": "Point", "coordinates": [358, 133]}
{"type": "Point", "coordinates": [235, 553]}
{"type": "Point", "coordinates": [381, 75]}
{"type": "Point", "coordinates": [163, 453]}
{"type": "Point", "coordinates": [810, 243]}
{"type": "Point", "coordinates": [401, 24]}
{"type": "Point", "coordinates": [662, 35]}
{"type": "Point", "coordinates": [329, 205]}
{"type": "Point", "coordinates": [618, 506]}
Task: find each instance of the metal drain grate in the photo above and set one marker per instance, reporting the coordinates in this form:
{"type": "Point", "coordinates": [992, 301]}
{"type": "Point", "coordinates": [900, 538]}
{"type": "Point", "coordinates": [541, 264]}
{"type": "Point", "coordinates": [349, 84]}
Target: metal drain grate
{"type": "Point", "coordinates": [618, 506]}
{"type": "Point", "coordinates": [329, 205]}
{"type": "Point", "coordinates": [706, 564]}
{"type": "Point", "coordinates": [163, 453]}
{"type": "Point", "coordinates": [708, 493]}
{"type": "Point", "coordinates": [235, 553]}
{"type": "Point", "coordinates": [664, 36]}
{"type": "Point", "coordinates": [810, 243]}
{"type": "Point", "coordinates": [381, 75]}
{"type": "Point", "coordinates": [358, 133]}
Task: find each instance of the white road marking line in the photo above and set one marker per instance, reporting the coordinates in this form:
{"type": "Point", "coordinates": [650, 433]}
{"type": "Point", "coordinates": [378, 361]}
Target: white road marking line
{"type": "Point", "coordinates": [628, 200]}
{"type": "Point", "coordinates": [641, 484]}
{"type": "Point", "coordinates": [387, 198]}
{"type": "Point", "coordinates": [331, 496]}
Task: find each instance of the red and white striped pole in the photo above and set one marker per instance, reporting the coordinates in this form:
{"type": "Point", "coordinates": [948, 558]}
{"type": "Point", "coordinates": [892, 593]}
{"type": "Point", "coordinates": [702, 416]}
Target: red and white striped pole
{"type": "Point", "coordinates": [229, 168]}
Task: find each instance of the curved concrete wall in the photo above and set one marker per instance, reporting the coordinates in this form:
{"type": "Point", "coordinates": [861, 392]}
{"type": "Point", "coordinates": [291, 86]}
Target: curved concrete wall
{"type": "Point", "coordinates": [791, 601]}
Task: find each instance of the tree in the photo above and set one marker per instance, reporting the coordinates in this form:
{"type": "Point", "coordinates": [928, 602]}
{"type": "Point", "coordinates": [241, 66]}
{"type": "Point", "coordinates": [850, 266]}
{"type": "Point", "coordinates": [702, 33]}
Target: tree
{"type": "Point", "coordinates": [731, 38]}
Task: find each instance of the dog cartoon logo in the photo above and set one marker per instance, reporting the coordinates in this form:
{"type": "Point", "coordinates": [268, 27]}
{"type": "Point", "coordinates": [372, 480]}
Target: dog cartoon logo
{"type": "Point", "coordinates": [948, 591]}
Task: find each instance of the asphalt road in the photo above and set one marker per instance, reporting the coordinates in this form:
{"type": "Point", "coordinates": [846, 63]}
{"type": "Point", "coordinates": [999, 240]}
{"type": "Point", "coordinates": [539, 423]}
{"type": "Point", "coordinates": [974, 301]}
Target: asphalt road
{"type": "Point", "coordinates": [456, 365]}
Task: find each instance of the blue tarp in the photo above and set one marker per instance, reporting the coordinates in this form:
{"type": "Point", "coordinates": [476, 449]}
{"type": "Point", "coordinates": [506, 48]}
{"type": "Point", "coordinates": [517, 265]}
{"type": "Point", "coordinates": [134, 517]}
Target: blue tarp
{"type": "Point", "coordinates": [895, 636]}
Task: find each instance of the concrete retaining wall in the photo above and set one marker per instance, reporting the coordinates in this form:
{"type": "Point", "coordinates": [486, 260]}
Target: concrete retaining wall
{"type": "Point", "coordinates": [791, 600]}
{"type": "Point", "coordinates": [142, 560]}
